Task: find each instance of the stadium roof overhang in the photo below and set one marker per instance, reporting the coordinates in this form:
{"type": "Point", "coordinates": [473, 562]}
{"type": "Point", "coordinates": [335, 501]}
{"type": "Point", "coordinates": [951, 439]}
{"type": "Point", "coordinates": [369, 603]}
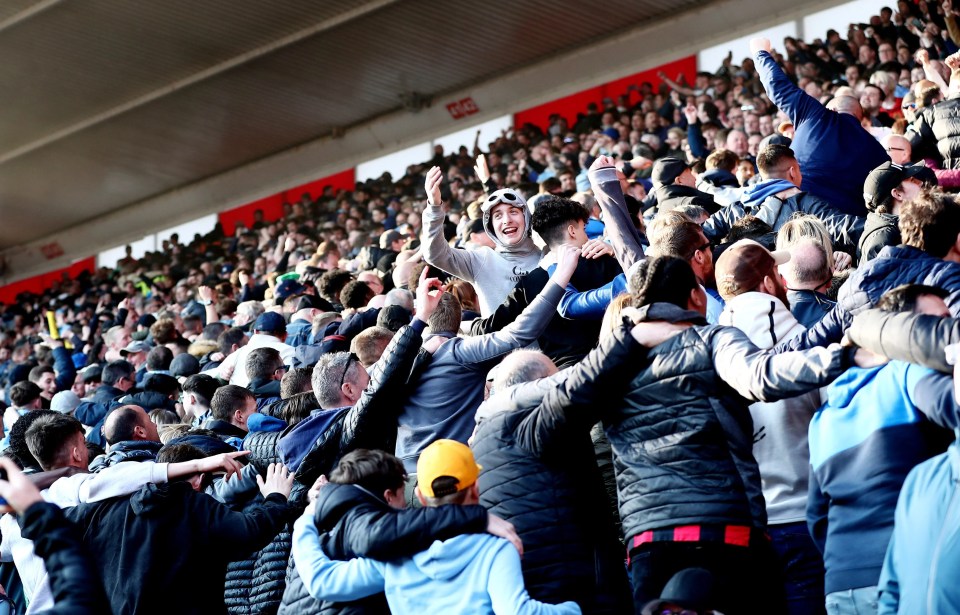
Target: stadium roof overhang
{"type": "Point", "coordinates": [122, 118]}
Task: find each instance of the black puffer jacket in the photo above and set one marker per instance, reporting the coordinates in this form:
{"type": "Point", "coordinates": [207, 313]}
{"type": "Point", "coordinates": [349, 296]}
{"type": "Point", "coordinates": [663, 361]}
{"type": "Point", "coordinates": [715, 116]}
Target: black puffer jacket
{"type": "Point", "coordinates": [371, 423]}
{"type": "Point", "coordinates": [671, 196]}
{"type": "Point", "coordinates": [540, 474]}
{"type": "Point", "coordinates": [255, 584]}
{"type": "Point", "coordinates": [880, 230]}
{"type": "Point", "coordinates": [683, 438]}
{"type": "Point", "coordinates": [355, 523]}
{"type": "Point", "coordinates": [938, 126]}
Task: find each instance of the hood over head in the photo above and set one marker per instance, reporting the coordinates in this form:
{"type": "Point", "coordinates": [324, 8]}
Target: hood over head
{"type": "Point", "coordinates": [512, 198]}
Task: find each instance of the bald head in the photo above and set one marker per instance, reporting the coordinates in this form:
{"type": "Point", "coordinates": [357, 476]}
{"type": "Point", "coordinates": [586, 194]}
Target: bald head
{"type": "Point", "coordinates": [129, 423]}
{"type": "Point", "coordinates": [808, 267]}
{"type": "Point", "coordinates": [845, 90]}
{"type": "Point", "coordinates": [523, 366]}
{"type": "Point", "coordinates": [848, 105]}
{"type": "Point", "coordinates": [898, 148]}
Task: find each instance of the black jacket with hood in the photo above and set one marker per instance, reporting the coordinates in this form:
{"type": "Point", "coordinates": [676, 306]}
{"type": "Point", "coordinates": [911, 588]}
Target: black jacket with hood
{"type": "Point", "coordinates": [682, 436]}
{"type": "Point", "coordinates": [168, 540]}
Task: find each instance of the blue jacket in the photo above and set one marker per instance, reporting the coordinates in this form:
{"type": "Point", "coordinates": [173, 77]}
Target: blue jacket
{"type": "Point", "coordinates": [594, 228]}
{"type": "Point", "coordinates": [63, 368]}
{"type": "Point", "coordinates": [835, 153]}
{"type": "Point", "coordinates": [924, 554]}
{"type": "Point", "coordinates": [444, 395]}
{"type": "Point", "coordinates": [892, 267]}
{"type": "Point", "coordinates": [294, 445]}
{"type": "Point", "coordinates": [266, 392]}
{"type": "Point", "coordinates": [871, 432]}
{"type": "Point", "coordinates": [93, 412]}
{"type": "Point", "coordinates": [298, 333]}
{"type": "Point", "coordinates": [809, 306]}
{"type": "Point", "coordinates": [469, 574]}
{"type": "Point", "coordinates": [922, 558]}
{"type": "Point", "coordinates": [589, 304]}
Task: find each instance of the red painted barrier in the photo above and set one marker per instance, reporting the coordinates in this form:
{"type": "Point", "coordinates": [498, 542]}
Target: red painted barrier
{"type": "Point", "coordinates": [272, 206]}
{"type": "Point", "coordinates": [40, 283]}
{"type": "Point", "coordinates": [570, 106]}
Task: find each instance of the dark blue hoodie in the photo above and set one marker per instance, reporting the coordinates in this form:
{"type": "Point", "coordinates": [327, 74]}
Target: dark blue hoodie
{"type": "Point", "coordinates": [300, 440]}
{"type": "Point", "coordinates": [863, 442]}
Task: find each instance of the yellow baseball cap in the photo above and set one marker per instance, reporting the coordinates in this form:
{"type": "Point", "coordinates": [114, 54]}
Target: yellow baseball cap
{"type": "Point", "coordinates": [446, 458]}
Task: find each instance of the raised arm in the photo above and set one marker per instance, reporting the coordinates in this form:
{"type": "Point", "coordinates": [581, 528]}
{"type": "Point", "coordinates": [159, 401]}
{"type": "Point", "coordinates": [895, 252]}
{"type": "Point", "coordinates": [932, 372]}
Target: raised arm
{"type": "Point", "coordinates": [371, 422]}
{"type": "Point", "coordinates": [590, 304]}
{"type": "Point", "coordinates": [797, 104]}
{"type": "Point", "coordinates": [603, 374]}
{"type": "Point", "coordinates": [506, 312]}
{"type": "Point", "coordinates": [206, 299]}
{"type": "Point", "coordinates": [531, 323]}
{"type": "Point", "coordinates": [675, 85]}
{"type": "Point", "coordinates": [436, 251]}
{"type": "Point", "coordinates": [620, 229]}
{"type": "Point", "coordinates": [63, 367]}
{"type": "Point", "coordinates": [698, 145]}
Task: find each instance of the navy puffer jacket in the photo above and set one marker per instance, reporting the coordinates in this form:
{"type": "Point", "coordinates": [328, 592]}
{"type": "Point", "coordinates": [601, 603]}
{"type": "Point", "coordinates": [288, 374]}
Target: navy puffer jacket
{"type": "Point", "coordinates": [540, 473]}
{"type": "Point", "coordinates": [255, 584]}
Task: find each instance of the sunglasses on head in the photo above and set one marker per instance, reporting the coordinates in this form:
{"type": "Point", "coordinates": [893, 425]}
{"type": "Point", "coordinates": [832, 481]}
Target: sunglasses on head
{"type": "Point", "coordinates": [503, 197]}
{"type": "Point", "coordinates": [346, 368]}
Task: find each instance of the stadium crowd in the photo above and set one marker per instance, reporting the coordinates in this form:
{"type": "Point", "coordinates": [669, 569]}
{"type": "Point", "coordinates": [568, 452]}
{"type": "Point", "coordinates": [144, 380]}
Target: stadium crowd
{"type": "Point", "coordinates": [691, 351]}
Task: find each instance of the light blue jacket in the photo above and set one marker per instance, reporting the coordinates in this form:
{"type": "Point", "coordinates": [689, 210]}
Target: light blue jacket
{"type": "Point", "coordinates": [919, 572]}
{"type": "Point", "coordinates": [472, 574]}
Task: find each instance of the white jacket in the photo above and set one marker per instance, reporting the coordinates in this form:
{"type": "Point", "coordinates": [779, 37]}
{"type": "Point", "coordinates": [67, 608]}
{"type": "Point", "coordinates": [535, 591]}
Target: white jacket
{"type": "Point", "coordinates": [780, 428]}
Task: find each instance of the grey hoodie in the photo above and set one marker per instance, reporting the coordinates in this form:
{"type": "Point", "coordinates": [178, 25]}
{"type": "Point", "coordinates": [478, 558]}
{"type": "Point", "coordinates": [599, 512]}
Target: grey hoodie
{"type": "Point", "coordinates": [780, 427]}
{"type": "Point", "coordinates": [493, 273]}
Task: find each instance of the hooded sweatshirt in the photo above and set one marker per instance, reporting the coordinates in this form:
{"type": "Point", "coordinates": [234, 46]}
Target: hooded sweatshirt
{"type": "Point", "coordinates": [493, 273]}
{"type": "Point", "coordinates": [870, 433]}
{"type": "Point", "coordinates": [469, 574]}
{"type": "Point", "coordinates": [754, 196]}
{"type": "Point", "coordinates": [780, 427]}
